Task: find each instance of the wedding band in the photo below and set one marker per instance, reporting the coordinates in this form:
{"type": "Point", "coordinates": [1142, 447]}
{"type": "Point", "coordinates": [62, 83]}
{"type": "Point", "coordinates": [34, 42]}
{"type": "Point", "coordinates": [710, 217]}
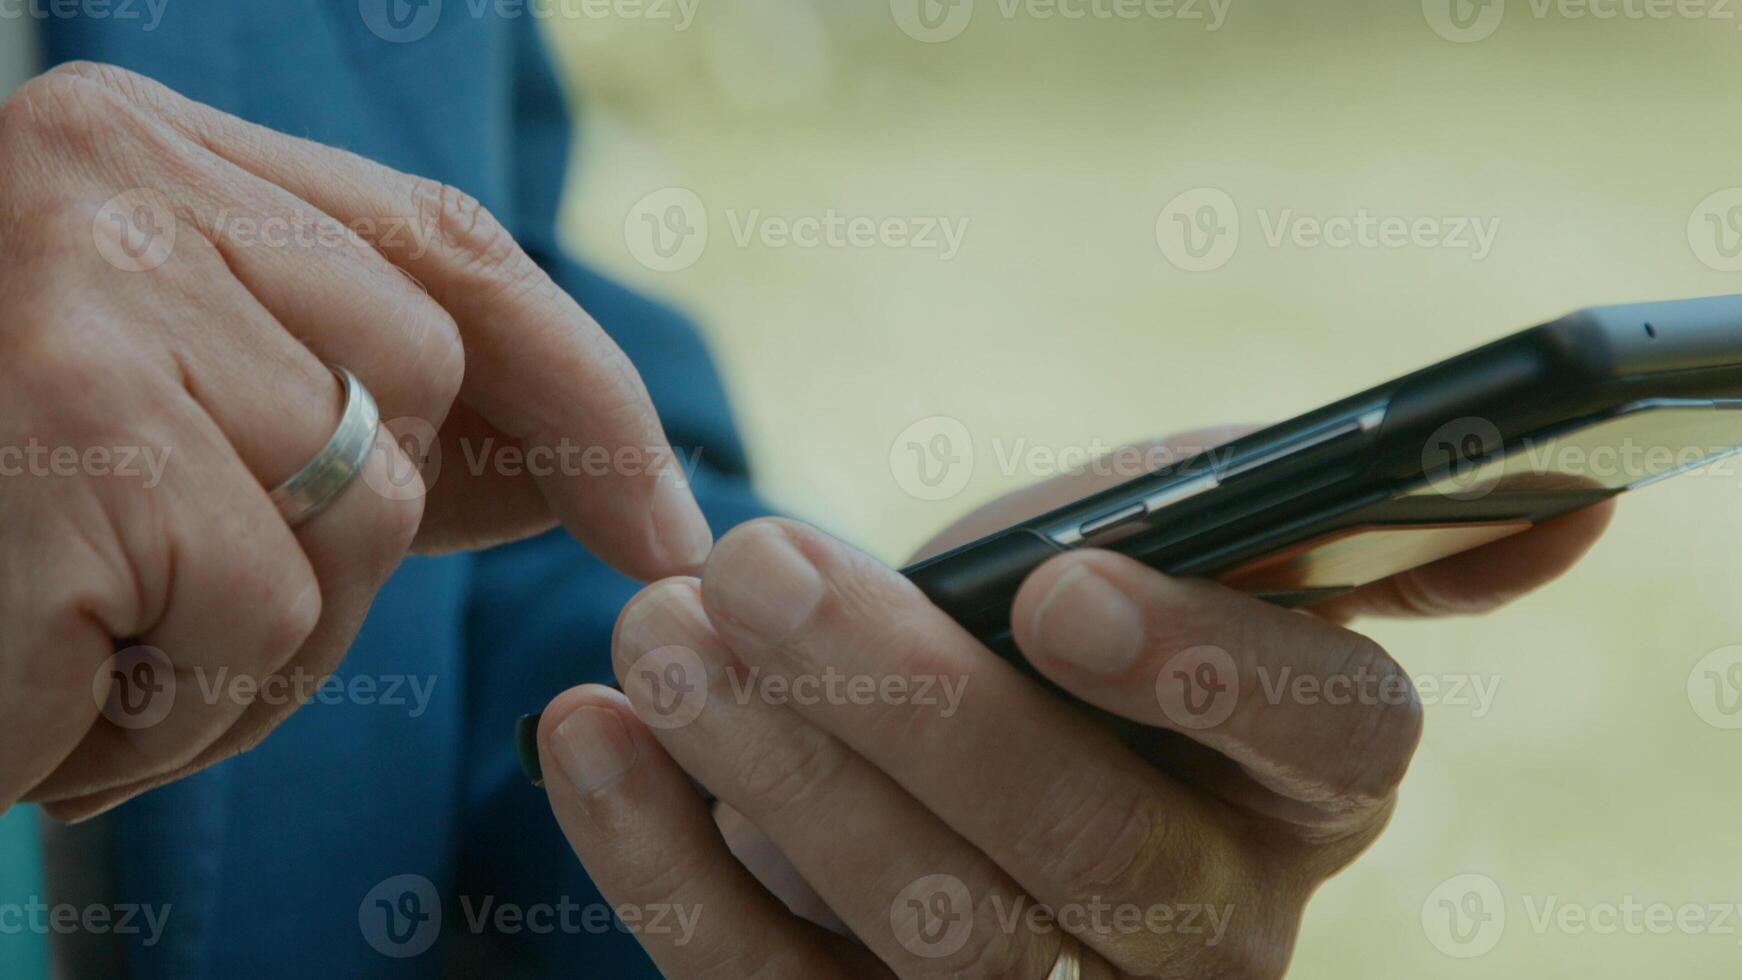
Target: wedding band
{"type": "Point", "coordinates": [314, 487]}
{"type": "Point", "coordinates": [1070, 962]}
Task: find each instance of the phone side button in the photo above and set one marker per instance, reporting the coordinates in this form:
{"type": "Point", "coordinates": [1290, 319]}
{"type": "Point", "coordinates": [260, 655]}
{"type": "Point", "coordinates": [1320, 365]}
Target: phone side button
{"type": "Point", "coordinates": [1107, 522]}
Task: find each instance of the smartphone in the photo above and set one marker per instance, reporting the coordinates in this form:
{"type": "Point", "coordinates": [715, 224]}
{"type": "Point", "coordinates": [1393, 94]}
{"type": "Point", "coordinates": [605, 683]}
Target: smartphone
{"type": "Point", "coordinates": [1460, 454]}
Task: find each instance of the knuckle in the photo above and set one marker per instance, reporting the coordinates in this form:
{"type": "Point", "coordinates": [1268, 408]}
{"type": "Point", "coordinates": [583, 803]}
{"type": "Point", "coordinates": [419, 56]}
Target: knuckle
{"type": "Point", "coordinates": [1105, 848]}
{"type": "Point", "coordinates": [70, 365]}
{"type": "Point", "coordinates": [755, 961]}
{"type": "Point", "coordinates": [79, 103]}
{"type": "Point", "coordinates": [641, 867]}
{"type": "Point", "coordinates": [477, 244]}
{"type": "Point", "coordinates": [779, 781]}
{"type": "Point", "coordinates": [1239, 960]}
{"type": "Point", "coordinates": [865, 593]}
{"type": "Point", "coordinates": [114, 79]}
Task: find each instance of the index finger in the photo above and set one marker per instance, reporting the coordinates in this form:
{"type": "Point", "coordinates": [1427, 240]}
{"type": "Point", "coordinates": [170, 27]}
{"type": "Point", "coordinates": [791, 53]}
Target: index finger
{"type": "Point", "coordinates": [538, 368]}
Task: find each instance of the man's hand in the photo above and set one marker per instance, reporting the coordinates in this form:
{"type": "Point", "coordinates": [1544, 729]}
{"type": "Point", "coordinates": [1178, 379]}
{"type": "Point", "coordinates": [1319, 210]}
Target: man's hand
{"type": "Point", "coordinates": [891, 778]}
{"type": "Point", "coordinates": [175, 282]}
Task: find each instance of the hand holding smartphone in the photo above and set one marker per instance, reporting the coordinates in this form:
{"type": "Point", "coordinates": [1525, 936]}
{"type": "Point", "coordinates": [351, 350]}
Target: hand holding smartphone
{"type": "Point", "coordinates": [1456, 455]}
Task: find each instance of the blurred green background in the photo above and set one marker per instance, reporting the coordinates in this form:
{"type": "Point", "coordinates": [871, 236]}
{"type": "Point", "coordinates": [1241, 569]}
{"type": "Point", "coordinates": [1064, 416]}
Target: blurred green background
{"type": "Point", "coordinates": [1600, 776]}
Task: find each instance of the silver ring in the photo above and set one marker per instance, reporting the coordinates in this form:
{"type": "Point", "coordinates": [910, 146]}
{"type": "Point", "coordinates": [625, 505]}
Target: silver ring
{"type": "Point", "coordinates": [314, 487]}
{"type": "Point", "coordinates": [1070, 961]}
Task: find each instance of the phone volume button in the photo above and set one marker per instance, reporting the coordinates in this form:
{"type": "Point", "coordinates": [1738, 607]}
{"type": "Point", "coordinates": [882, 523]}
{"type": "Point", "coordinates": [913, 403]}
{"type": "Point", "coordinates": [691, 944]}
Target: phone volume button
{"type": "Point", "coordinates": [1168, 496]}
{"type": "Point", "coordinates": [1109, 521]}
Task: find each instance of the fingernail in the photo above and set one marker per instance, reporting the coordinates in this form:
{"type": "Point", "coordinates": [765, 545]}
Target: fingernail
{"type": "Point", "coordinates": [764, 582]}
{"type": "Point", "coordinates": [667, 615]}
{"type": "Point", "coordinates": [683, 532]}
{"type": "Point", "coordinates": [593, 748]}
{"type": "Point", "coordinates": [526, 747]}
{"type": "Point", "coordinates": [1084, 620]}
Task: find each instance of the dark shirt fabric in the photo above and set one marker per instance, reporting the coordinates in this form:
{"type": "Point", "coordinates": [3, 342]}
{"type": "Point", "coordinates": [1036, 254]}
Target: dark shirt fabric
{"type": "Point", "coordinates": [335, 848]}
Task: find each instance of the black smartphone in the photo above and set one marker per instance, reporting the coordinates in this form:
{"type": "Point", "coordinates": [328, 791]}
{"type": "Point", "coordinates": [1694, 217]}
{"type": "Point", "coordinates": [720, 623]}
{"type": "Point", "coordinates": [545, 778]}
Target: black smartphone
{"type": "Point", "coordinates": [1456, 455]}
